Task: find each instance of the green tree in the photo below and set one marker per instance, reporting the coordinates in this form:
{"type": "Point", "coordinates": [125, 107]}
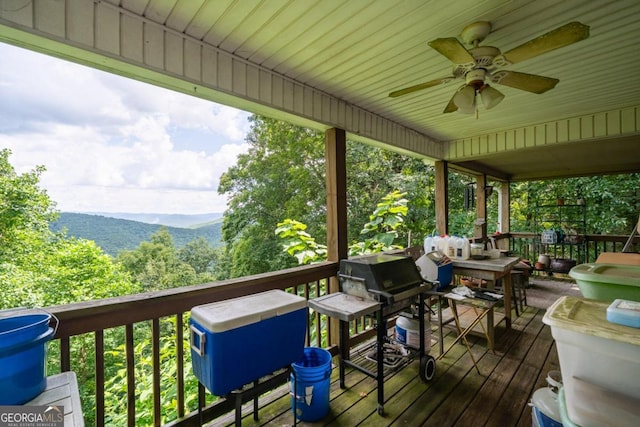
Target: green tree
{"type": "Point", "coordinates": [283, 176]}
{"type": "Point", "coordinates": [613, 202]}
{"type": "Point", "coordinates": [384, 226]}
{"type": "Point", "coordinates": [201, 257]}
{"type": "Point", "coordinates": [38, 267]}
{"type": "Point", "coordinates": [373, 173]}
{"type": "Point", "coordinates": [155, 263]}
{"type": "Point", "coordinates": [378, 235]}
{"type": "Point", "coordinates": [25, 209]}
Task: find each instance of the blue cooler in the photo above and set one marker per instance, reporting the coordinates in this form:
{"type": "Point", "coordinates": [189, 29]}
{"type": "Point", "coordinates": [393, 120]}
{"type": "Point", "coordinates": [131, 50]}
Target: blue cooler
{"type": "Point", "coordinates": [238, 341]}
{"type": "Point", "coordinates": [445, 268]}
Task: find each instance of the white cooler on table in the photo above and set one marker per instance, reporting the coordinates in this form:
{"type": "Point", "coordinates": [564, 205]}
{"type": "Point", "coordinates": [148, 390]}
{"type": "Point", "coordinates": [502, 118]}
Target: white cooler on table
{"type": "Point", "coordinates": [238, 341]}
{"type": "Point", "coordinates": [599, 361]}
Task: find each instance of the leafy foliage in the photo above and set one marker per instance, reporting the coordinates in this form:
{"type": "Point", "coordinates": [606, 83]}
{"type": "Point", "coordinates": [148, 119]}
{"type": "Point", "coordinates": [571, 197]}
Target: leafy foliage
{"type": "Point", "coordinates": [115, 384]}
{"type": "Point", "coordinates": [38, 267]}
{"type": "Point", "coordinates": [382, 230]}
{"type": "Point", "coordinates": [157, 264]}
{"type": "Point", "coordinates": [298, 243]}
{"type": "Point", "coordinates": [384, 226]}
{"type": "Point", "coordinates": [23, 205]}
{"type": "Point", "coordinates": [613, 202]}
{"type": "Point", "coordinates": [283, 176]}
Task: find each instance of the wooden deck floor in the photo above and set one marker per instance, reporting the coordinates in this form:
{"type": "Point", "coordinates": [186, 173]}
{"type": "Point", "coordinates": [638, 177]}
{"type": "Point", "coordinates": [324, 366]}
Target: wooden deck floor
{"type": "Point", "coordinates": [457, 396]}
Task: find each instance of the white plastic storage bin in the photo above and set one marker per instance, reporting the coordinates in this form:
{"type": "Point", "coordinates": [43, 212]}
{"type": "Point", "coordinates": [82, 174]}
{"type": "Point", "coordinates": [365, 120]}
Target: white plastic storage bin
{"type": "Point", "coordinates": [599, 361]}
{"type": "Point", "coordinates": [238, 341]}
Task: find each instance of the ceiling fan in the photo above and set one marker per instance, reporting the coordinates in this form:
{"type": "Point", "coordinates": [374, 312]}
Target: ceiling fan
{"type": "Point", "coordinates": [481, 65]}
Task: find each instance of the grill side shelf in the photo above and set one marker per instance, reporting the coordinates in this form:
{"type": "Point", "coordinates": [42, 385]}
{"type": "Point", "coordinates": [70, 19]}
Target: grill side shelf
{"type": "Point", "coordinates": [344, 307]}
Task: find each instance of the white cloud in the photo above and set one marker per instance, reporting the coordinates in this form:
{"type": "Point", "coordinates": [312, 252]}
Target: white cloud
{"type": "Point", "coordinates": [114, 145]}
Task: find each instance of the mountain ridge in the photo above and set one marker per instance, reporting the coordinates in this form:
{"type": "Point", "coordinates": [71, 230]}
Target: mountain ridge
{"type": "Point", "coordinates": [116, 234]}
{"type": "Point", "coordinates": [170, 220]}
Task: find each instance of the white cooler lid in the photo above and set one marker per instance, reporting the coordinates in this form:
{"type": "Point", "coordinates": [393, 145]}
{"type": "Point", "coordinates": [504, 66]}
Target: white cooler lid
{"type": "Point", "coordinates": [233, 313]}
{"type": "Point", "coordinates": [588, 317]}
{"type": "Point", "coordinates": [428, 268]}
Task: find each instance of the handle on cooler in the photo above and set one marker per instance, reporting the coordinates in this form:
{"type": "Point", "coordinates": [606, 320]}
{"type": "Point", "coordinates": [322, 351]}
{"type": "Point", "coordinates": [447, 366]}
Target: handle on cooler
{"type": "Point", "coordinates": [199, 349]}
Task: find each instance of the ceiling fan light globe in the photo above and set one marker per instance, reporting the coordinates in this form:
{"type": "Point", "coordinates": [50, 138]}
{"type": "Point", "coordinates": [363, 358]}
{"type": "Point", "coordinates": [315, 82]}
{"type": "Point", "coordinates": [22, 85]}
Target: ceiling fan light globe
{"type": "Point", "coordinates": [466, 110]}
{"type": "Point", "coordinates": [465, 99]}
{"type": "Point", "coordinates": [490, 97]}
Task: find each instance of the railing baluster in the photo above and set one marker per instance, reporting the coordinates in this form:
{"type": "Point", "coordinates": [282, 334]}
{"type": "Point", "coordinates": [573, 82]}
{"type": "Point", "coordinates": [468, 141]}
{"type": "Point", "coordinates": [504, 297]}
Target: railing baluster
{"type": "Point", "coordinates": [131, 375]}
{"type": "Point", "coordinates": [99, 346]}
{"type": "Point", "coordinates": [306, 293]}
{"type": "Point", "coordinates": [155, 345]}
{"type": "Point", "coordinates": [65, 355]}
{"type": "Point", "coordinates": [202, 402]}
{"type": "Point", "coordinates": [318, 327]}
{"type": "Point", "coordinates": [180, 362]}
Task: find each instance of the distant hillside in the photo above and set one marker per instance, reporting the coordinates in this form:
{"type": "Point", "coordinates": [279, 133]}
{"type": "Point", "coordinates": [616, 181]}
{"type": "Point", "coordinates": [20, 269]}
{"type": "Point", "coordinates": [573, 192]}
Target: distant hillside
{"type": "Point", "coordinates": [114, 235]}
{"type": "Point", "coordinates": [170, 220]}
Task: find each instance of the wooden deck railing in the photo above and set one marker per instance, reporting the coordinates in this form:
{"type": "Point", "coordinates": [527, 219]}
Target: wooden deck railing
{"type": "Point", "coordinates": [97, 317]}
{"type": "Point", "coordinates": [94, 318]}
{"type": "Point", "coordinates": [527, 246]}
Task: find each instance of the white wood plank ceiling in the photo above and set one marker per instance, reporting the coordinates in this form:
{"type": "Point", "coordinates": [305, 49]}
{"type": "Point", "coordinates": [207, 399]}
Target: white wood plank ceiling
{"type": "Point", "coordinates": [354, 52]}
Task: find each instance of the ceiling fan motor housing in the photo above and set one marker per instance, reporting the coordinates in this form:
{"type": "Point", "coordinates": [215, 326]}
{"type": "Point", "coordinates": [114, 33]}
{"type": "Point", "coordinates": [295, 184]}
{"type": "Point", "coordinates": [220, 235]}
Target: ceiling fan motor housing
{"type": "Point", "coordinates": [475, 77]}
{"type": "Point", "coordinates": [483, 57]}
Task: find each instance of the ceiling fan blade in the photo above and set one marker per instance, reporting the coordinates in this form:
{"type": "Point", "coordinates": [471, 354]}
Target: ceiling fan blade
{"type": "Point", "coordinates": [420, 86]}
{"type": "Point", "coordinates": [554, 39]}
{"type": "Point", "coordinates": [523, 81]}
{"type": "Point", "coordinates": [451, 106]}
{"type": "Point", "coordinates": [453, 50]}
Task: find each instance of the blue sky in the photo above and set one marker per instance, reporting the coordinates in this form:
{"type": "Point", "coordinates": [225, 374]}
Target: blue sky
{"type": "Point", "coordinates": [111, 144]}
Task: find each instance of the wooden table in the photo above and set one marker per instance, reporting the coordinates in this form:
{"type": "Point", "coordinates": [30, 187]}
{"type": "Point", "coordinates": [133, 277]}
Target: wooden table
{"type": "Point", "coordinates": [62, 390]}
{"type": "Point", "coordinates": [482, 308]}
{"type": "Point", "coordinates": [491, 269]}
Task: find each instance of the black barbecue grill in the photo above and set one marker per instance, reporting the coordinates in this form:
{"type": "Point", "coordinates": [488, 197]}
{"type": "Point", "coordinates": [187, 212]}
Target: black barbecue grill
{"type": "Point", "coordinates": [380, 285]}
{"type": "Point", "coordinates": [392, 280]}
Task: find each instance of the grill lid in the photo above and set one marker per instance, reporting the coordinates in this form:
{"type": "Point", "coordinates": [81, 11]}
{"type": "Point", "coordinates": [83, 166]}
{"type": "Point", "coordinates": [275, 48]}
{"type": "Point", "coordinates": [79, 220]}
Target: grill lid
{"type": "Point", "coordinates": [381, 274]}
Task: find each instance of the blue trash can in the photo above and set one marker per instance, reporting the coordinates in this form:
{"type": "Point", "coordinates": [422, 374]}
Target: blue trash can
{"type": "Point", "coordinates": [310, 378]}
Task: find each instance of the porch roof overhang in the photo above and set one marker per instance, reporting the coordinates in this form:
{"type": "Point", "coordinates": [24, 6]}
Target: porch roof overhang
{"type": "Point", "coordinates": [333, 63]}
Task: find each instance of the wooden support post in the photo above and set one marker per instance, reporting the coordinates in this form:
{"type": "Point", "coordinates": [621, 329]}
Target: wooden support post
{"type": "Point", "coordinates": [336, 181]}
{"type": "Point", "coordinates": [480, 228]}
{"type": "Point", "coordinates": [504, 207]}
{"type": "Point", "coordinates": [442, 197]}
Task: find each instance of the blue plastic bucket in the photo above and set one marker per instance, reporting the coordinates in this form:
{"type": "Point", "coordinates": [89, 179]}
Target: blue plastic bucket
{"type": "Point", "coordinates": [445, 275]}
{"type": "Point", "coordinates": [310, 378]}
{"type": "Point", "coordinates": [23, 356]}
